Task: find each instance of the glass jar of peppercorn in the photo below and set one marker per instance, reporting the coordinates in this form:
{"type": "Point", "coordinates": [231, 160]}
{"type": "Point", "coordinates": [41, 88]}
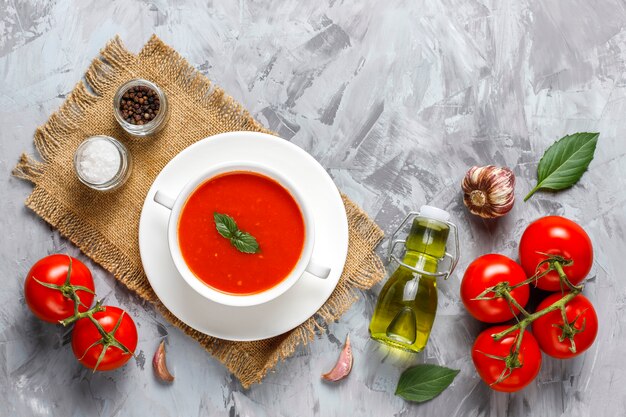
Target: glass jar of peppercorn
{"type": "Point", "coordinates": [140, 107]}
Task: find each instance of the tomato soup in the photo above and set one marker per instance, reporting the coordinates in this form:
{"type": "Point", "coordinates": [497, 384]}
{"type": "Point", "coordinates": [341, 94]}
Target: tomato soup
{"type": "Point", "coordinates": [261, 207]}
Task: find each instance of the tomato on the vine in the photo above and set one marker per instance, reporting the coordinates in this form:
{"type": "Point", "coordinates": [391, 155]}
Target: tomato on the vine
{"type": "Point", "coordinates": [555, 235]}
{"type": "Point", "coordinates": [492, 370]}
{"type": "Point", "coordinates": [488, 271]}
{"type": "Point", "coordinates": [549, 329]}
{"type": "Point", "coordinates": [120, 341]}
{"type": "Point", "coordinates": [52, 304]}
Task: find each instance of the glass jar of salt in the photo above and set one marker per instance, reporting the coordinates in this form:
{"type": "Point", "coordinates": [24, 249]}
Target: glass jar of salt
{"type": "Point", "coordinates": [102, 163]}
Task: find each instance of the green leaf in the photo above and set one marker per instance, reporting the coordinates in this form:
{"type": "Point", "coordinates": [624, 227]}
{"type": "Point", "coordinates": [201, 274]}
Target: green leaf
{"type": "Point", "coordinates": [225, 225]}
{"type": "Point", "coordinates": [245, 242]}
{"type": "Point", "coordinates": [424, 382]}
{"type": "Point", "coordinates": [565, 161]}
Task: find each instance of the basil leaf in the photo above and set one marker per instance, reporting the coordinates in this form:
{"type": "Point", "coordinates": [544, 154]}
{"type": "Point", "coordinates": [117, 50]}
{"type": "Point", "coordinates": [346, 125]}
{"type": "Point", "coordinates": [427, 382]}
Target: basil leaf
{"type": "Point", "coordinates": [424, 382]}
{"type": "Point", "coordinates": [565, 161]}
{"type": "Point", "coordinates": [225, 225]}
{"type": "Point", "coordinates": [245, 242]}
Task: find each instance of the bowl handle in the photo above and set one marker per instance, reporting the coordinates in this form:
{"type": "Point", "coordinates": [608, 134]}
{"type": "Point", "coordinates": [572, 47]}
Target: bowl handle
{"type": "Point", "coordinates": [318, 270]}
{"type": "Point", "coordinates": [164, 199]}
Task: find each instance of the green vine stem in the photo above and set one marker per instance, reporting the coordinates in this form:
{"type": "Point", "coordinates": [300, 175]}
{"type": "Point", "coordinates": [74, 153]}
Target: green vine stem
{"type": "Point", "coordinates": [528, 320]}
{"type": "Point", "coordinates": [502, 290]}
{"type": "Point", "coordinates": [564, 280]}
{"type": "Point", "coordinates": [513, 302]}
{"type": "Point", "coordinates": [77, 315]}
{"type": "Point", "coordinates": [552, 261]}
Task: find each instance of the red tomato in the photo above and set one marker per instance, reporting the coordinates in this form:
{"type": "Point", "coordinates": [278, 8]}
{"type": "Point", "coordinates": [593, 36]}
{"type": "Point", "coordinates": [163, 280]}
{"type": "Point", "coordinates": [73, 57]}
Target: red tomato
{"type": "Point", "coordinates": [86, 334]}
{"type": "Point", "coordinates": [487, 271]}
{"type": "Point", "coordinates": [50, 304]}
{"type": "Point", "coordinates": [490, 369]}
{"type": "Point", "coordinates": [556, 235]}
{"type": "Point", "coordinates": [580, 311]}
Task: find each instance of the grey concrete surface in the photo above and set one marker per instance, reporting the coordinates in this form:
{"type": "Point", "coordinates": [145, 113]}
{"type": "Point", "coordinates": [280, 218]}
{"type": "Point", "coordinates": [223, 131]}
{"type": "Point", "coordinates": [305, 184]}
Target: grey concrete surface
{"type": "Point", "coordinates": [396, 99]}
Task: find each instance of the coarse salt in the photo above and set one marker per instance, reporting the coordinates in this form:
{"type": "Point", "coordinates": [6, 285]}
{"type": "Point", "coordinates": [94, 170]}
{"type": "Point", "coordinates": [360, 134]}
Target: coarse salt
{"type": "Point", "coordinates": [99, 161]}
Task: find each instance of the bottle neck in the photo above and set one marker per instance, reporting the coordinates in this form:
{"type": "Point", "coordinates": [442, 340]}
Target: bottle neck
{"type": "Point", "coordinates": [421, 260]}
{"type": "Point", "coordinates": [426, 244]}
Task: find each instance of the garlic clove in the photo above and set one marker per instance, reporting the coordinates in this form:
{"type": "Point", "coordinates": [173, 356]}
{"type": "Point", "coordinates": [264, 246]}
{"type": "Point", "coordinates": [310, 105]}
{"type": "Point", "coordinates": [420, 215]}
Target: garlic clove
{"type": "Point", "coordinates": [489, 191]}
{"type": "Point", "coordinates": [344, 364]}
{"type": "Point", "coordinates": [159, 364]}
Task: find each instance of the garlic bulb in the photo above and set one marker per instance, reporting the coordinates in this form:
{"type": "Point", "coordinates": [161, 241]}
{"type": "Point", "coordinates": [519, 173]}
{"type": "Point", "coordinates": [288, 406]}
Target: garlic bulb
{"type": "Point", "coordinates": [489, 191]}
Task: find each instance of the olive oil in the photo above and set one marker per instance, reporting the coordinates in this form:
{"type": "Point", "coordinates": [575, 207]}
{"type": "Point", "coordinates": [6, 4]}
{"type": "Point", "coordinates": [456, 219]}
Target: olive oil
{"type": "Point", "coordinates": [407, 304]}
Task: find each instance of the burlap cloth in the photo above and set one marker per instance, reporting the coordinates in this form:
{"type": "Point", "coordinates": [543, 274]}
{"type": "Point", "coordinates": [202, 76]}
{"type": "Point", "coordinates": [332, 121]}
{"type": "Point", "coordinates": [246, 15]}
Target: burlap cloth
{"type": "Point", "coordinates": [105, 225]}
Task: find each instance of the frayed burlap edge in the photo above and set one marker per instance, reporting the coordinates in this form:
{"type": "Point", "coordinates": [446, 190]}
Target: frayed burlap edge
{"type": "Point", "coordinates": [251, 362]}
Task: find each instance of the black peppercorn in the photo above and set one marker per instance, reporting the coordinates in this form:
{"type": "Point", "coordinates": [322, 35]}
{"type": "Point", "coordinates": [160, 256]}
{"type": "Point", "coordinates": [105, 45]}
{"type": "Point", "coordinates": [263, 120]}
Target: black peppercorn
{"type": "Point", "coordinates": [139, 105]}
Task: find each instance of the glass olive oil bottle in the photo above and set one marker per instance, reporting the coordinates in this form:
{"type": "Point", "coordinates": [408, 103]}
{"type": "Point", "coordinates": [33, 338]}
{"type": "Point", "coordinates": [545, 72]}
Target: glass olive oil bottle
{"type": "Point", "coordinates": [406, 307]}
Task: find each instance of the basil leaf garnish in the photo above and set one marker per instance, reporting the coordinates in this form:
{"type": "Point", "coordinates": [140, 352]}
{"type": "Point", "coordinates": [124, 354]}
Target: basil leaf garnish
{"type": "Point", "coordinates": [227, 227]}
{"type": "Point", "coordinates": [246, 243]}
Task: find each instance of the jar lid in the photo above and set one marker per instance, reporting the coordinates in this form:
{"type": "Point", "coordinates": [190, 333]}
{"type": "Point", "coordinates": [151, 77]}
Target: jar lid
{"type": "Point", "coordinates": [434, 213]}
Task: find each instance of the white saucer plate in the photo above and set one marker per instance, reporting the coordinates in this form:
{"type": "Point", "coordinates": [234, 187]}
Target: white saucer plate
{"type": "Point", "coordinates": [293, 307]}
